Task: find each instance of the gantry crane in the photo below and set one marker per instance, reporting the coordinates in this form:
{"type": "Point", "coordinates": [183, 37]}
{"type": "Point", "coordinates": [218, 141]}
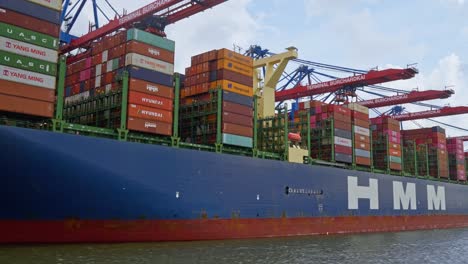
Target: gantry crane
{"type": "Point", "coordinates": [157, 14]}
{"type": "Point", "coordinates": [444, 111]}
{"type": "Point", "coordinates": [414, 96]}
{"type": "Point", "coordinates": [370, 78]}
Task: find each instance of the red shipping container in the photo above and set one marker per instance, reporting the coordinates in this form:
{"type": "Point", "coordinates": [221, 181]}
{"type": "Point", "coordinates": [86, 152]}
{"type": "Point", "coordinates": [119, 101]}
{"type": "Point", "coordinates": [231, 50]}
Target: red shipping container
{"type": "Point", "coordinates": [361, 138]}
{"type": "Point", "coordinates": [150, 100]}
{"type": "Point", "coordinates": [395, 166]}
{"type": "Point", "coordinates": [395, 152]}
{"type": "Point", "coordinates": [85, 75]}
{"type": "Point", "coordinates": [149, 126]}
{"type": "Point", "coordinates": [361, 123]}
{"type": "Point", "coordinates": [237, 119]}
{"type": "Point", "coordinates": [149, 113]}
{"type": "Point", "coordinates": [360, 116]}
{"type": "Point", "coordinates": [29, 22]}
{"type": "Point", "coordinates": [343, 150]}
{"type": "Point", "coordinates": [343, 125]}
{"type": "Point", "coordinates": [151, 88]}
{"type": "Point", "coordinates": [237, 109]}
{"type": "Point", "coordinates": [72, 79]}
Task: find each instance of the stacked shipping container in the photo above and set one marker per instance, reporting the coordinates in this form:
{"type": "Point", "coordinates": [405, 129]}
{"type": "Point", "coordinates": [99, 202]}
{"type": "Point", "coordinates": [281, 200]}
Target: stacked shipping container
{"type": "Point", "coordinates": [437, 157]}
{"type": "Point", "coordinates": [386, 143]}
{"type": "Point", "coordinates": [29, 32]}
{"type": "Point", "coordinates": [212, 72]}
{"type": "Point", "coordinates": [361, 136]}
{"type": "Point", "coordinates": [149, 60]}
{"type": "Point", "coordinates": [331, 131]}
{"type": "Point", "coordinates": [456, 159]}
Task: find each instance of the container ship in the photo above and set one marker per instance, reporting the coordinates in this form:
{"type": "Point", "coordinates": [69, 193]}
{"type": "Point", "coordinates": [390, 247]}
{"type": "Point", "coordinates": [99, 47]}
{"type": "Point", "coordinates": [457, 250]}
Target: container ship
{"type": "Point", "coordinates": [110, 144]}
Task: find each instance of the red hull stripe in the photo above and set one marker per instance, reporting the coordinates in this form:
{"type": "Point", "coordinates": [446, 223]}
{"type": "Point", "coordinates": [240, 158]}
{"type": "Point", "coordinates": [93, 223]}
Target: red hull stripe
{"type": "Point", "coordinates": [80, 231]}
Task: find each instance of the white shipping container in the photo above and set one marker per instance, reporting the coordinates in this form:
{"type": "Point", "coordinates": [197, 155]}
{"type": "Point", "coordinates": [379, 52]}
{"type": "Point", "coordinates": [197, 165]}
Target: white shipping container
{"type": "Point", "coordinates": [359, 108]}
{"type": "Point", "coordinates": [98, 70]}
{"type": "Point", "coordinates": [361, 130]}
{"type": "Point", "coordinates": [343, 142]}
{"type": "Point", "coordinates": [77, 97]}
{"type": "Point", "coordinates": [149, 63]}
{"type": "Point", "coordinates": [97, 82]}
{"type": "Point", "coordinates": [28, 50]}
{"type": "Point", "coordinates": [27, 77]}
{"type": "Point", "coordinates": [53, 4]}
{"type": "Point", "coordinates": [105, 55]}
{"type": "Point", "coordinates": [109, 65]}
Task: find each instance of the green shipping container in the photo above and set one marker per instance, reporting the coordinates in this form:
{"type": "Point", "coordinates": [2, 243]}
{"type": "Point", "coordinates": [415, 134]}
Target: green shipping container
{"type": "Point", "coordinates": [395, 159]}
{"type": "Point", "coordinates": [235, 140]}
{"type": "Point", "coordinates": [112, 65]}
{"type": "Point", "coordinates": [150, 39]}
{"type": "Point", "coordinates": [28, 36]}
{"type": "Point", "coordinates": [28, 64]}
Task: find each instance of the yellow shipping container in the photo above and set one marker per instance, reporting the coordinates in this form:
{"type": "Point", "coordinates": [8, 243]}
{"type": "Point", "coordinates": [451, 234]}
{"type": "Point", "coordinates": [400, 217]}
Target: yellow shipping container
{"type": "Point", "coordinates": [235, 88]}
{"type": "Point", "coordinates": [235, 67]}
{"type": "Point", "coordinates": [234, 56]}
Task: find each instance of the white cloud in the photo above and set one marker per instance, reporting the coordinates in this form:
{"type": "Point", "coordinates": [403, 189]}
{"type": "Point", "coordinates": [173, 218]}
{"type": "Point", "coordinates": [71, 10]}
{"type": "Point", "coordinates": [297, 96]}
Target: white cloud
{"type": "Point", "coordinates": [459, 2]}
{"type": "Point", "coordinates": [224, 26]}
{"type": "Point", "coordinates": [325, 7]}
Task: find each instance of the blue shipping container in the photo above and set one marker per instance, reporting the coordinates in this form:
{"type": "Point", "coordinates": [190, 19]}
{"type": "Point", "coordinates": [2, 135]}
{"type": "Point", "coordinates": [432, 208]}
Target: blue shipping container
{"type": "Point", "coordinates": [237, 98]}
{"type": "Point", "coordinates": [150, 76]}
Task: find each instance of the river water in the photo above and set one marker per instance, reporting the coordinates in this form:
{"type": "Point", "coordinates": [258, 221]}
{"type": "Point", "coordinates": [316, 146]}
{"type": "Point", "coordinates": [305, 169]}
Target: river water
{"type": "Point", "coordinates": [438, 246]}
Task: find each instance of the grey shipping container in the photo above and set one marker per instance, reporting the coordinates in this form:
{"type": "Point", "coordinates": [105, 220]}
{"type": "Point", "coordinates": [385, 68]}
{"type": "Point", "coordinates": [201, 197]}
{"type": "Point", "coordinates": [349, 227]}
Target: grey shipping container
{"type": "Point", "coordinates": [31, 9]}
{"type": "Point", "coordinates": [343, 158]}
{"type": "Point", "coordinates": [150, 76]}
{"type": "Point", "coordinates": [237, 98]}
{"type": "Point", "coordinates": [362, 153]}
{"type": "Point", "coordinates": [343, 133]}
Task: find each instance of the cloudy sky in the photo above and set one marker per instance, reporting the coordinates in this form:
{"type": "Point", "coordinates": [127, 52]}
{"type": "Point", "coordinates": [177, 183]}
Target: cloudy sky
{"type": "Point", "coordinates": [361, 34]}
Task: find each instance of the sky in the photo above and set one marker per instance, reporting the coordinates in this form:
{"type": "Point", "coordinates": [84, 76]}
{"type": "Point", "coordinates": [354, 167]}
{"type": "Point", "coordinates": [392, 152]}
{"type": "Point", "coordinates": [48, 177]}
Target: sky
{"type": "Point", "coordinates": [360, 34]}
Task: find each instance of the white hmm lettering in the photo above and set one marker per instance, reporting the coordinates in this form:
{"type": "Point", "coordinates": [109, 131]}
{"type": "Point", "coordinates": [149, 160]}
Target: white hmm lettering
{"type": "Point", "coordinates": [405, 199]}
{"type": "Point", "coordinates": [436, 200]}
{"type": "Point", "coordinates": [356, 192]}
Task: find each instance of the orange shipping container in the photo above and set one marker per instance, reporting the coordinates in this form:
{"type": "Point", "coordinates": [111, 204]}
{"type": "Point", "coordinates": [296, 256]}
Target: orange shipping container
{"type": "Point", "coordinates": [149, 126]}
{"type": "Point", "coordinates": [28, 91]}
{"type": "Point", "coordinates": [237, 130]}
{"type": "Point", "coordinates": [235, 67]}
{"type": "Point", "coordinates": [149, 113]}
{"type": "Point", "coordinates": [363, 161]}
{"type": "Point", "coordinates": [235, 87]}
{"type": "Point", "coordinates": [151, 88]}
{"type": "Point", "coordinates": [26, 106]}
{"type": "Point", "coordinates": [395, 152]}
{"type": "Point", "coordinates": [234, 56]}
{"type": "Point", "coordinates": [150, 100]}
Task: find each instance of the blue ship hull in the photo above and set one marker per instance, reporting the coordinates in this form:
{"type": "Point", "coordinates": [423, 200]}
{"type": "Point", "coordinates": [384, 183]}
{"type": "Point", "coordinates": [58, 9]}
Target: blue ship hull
{"type": "Point", "coordinates": [68, 188]}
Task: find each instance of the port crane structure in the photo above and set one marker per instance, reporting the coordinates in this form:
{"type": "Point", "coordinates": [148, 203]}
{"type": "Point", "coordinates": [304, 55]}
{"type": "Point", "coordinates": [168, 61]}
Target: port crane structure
{"type": "Point", "coordinates": [156, 15]}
